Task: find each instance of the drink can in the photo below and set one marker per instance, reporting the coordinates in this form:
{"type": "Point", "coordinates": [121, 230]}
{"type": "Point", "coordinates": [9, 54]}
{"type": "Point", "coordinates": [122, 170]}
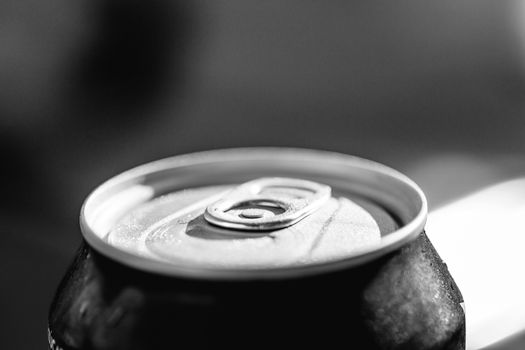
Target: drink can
{"type": "Point", "coordinates": [257, 248]}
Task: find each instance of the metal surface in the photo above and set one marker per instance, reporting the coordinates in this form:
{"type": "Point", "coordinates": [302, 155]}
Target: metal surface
{"type": "Point", "coordinates": [172, 229]}
{"type": "Point", "coordinates": [363, 178]}
{"type": "Point", "coordinates": [224, 212]}
{"type": "Point", "coordinates": [394, 294]}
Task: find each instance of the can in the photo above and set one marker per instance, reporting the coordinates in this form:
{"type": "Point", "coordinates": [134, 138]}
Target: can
{"type": "Point", "coordinates": [257, 248]}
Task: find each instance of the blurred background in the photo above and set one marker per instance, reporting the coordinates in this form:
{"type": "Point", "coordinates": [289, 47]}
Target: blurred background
{"type": "Point", "coordinates": [91, 88]}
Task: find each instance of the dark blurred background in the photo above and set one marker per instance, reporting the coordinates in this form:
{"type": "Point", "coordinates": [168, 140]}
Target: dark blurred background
{"type": "Point", "coordinates": [91, 88]}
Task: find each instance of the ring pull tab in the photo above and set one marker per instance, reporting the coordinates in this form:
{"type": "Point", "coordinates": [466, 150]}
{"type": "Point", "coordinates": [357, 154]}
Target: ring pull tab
{"type": "Point", "coordinates": [267, 204]}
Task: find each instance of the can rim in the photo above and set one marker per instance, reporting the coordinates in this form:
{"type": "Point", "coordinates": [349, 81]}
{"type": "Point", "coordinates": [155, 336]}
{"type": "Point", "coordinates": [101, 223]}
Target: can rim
{"type": "Point", "coordinates": [137, 175]}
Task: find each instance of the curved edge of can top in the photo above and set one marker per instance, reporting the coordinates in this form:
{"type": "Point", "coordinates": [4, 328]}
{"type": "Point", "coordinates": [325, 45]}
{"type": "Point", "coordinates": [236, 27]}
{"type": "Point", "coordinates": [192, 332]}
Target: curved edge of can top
{"type": "Point", "coordinates": [96, 206]}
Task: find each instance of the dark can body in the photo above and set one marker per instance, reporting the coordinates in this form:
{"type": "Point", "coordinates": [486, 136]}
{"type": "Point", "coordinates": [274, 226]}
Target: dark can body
{"type": "Point", "coordinates": [402, 299]}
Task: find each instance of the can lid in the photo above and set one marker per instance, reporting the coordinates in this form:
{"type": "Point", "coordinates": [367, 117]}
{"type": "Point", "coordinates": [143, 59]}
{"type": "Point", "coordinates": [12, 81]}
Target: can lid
{"type": "Point", "coordinates": [244, 193]}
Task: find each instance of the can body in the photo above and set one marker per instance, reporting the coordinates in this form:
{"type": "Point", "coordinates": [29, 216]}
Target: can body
{"type": "Point", "coordinates": [402, 299]}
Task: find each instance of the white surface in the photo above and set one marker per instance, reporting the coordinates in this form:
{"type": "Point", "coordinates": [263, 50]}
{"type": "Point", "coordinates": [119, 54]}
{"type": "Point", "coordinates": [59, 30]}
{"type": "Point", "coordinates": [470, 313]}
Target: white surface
{"type": "Point", "coordinates": [482, 239]}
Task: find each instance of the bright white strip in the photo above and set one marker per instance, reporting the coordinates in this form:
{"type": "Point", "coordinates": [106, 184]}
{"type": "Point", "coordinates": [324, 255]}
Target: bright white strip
{"type": "Point", "coordinates": [482, 239]}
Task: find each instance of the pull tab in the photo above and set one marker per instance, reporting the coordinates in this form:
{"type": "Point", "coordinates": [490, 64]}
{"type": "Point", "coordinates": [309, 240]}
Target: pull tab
{"type": "Point", "coordinates": [267, 204]}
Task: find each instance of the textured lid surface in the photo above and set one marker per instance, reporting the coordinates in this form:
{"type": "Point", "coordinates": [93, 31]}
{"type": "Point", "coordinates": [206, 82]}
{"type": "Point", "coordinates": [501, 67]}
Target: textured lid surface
{"type": "Point", "coordinates": [153, 217]}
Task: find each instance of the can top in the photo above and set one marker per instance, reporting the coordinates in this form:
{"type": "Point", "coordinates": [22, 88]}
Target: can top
{"type": "Point", "coordinates": [252, 213]}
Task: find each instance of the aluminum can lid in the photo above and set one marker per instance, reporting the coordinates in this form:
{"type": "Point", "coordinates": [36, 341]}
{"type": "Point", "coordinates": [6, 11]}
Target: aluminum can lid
{"type": "Point", "coordinates": [253, 213]}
